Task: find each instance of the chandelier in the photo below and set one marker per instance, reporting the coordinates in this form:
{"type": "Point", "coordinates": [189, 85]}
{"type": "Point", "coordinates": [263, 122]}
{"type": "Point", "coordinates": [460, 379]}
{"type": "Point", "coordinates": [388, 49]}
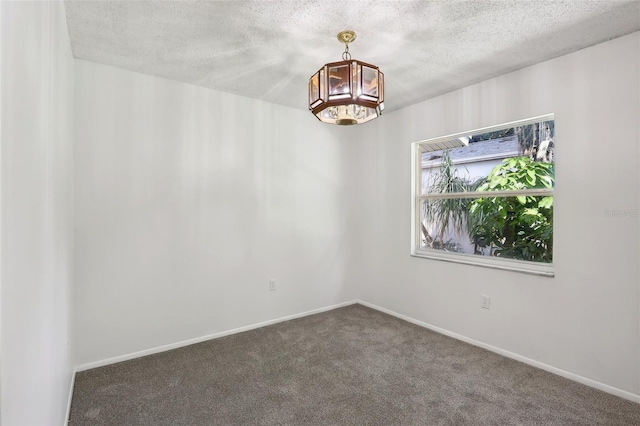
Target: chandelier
{"type": "Point", "coordinates": [346, 92]}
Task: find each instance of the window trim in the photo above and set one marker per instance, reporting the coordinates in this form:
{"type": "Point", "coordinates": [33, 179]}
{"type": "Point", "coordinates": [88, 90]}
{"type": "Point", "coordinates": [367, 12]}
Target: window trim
{"type": "Point", "coordinates": [535, 268]}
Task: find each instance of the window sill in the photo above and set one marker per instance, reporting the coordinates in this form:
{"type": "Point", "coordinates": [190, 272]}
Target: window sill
{"type": "Point", "coordinates": [534, 268]}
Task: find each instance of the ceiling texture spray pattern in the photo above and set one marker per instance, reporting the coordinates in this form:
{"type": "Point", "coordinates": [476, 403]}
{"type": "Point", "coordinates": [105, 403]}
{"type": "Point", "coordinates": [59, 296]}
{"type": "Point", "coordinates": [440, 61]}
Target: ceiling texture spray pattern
{"type": "Point", "coordinates": [268, 49]}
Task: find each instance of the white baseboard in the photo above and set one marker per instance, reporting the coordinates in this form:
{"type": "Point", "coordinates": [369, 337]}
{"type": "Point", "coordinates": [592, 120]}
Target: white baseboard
{"type": "Point", "coordinates": [566, 374]}
{"type": "Point", "coordinates": [73, 381]}
{"type": "Point", "coordinates": [187, 342]}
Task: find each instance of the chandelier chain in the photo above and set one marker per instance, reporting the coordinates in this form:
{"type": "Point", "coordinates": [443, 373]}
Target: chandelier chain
{"type": "Point", "coordinates": [346, 56]}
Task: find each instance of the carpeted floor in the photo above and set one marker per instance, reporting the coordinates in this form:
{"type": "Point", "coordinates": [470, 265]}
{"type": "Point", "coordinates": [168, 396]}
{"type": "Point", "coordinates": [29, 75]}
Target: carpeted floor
{"type": "Point", "coordinates": [349, 366]}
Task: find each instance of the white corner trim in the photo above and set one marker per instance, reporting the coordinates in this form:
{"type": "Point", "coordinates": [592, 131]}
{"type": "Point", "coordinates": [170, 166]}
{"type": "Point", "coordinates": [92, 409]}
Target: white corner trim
{"type": "Point", "coordinates": [566, 374]}
{"type": "Point", "coordinates": [212, 336]}
{"type": "Point", "coordinates": [73, 381]}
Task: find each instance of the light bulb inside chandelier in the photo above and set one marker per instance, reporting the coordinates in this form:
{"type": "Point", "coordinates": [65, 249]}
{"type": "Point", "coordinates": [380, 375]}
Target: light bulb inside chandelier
{"type": "Point", "coordinates": [346, 92]}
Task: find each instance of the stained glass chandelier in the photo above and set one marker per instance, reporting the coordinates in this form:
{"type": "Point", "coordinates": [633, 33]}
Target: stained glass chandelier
{"type": "Point", "coordinates": [346, 92]}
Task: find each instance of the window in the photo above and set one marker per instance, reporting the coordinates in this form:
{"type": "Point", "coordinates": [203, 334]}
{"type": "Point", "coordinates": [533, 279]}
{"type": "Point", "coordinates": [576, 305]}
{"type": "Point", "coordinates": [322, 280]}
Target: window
{"type": "Point", "coordinates": [485, 197]}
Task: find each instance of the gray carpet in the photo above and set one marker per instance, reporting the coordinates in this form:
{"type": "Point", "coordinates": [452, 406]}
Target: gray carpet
{"type": "Point", "coordinates": [349, 366]}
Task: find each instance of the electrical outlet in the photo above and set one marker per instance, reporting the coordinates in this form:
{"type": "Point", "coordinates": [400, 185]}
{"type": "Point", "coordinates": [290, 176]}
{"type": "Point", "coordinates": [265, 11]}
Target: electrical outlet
{"type": "Point", "coordinates": [486, 302]}
{"type": "Point", "coordinates": [272, 284]}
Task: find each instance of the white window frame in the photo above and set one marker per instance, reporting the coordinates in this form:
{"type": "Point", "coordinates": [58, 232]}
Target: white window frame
{"type": "Point", "coordinates": [536, 268]}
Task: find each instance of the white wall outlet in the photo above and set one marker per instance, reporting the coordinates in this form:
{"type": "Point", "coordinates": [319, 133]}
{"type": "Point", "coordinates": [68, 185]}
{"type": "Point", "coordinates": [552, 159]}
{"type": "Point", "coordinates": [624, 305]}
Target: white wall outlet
{"type": "Point", "coordinates": [486, 302]}
{"type": "Point", "coordinates": [272, 284]}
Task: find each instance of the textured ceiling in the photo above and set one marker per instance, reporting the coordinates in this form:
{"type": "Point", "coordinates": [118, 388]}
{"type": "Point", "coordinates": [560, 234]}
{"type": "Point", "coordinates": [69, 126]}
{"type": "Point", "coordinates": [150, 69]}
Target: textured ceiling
{"type": "Point", "coordinates": [268, 49]}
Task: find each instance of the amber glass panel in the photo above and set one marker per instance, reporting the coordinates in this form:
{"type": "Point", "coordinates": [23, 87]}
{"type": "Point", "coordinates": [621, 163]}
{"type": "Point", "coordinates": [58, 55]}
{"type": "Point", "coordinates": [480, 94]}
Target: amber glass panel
{"type": "Point", "coordinates": [339, 80]}
{"type": "Point", "coordinates": [370, 81]}
{"type": "Point", "coordinates": [314, 88]}
{"type": "Point", "coordinates": [381, 82]}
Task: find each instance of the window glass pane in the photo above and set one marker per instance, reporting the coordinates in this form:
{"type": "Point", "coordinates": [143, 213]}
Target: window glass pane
{"type": "Point", "coordinates": [508, 159]}
{"type": "Point", "coordinates": [508, 227]}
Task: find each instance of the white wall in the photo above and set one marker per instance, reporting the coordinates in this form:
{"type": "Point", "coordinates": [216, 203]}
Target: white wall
{"type": "Point", "coordinates": [585, 320]}
{"type": "Point", "coordinates": [36, 201]}
{"type": "Point", "coordinates": [188, 201]}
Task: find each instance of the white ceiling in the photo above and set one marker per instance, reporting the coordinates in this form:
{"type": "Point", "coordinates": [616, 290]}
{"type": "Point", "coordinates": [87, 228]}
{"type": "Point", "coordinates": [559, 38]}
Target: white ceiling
{"type": "Point", "coordinates": [268, 49]}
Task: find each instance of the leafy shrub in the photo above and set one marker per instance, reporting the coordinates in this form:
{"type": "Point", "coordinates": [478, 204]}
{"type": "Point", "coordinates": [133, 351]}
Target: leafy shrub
{"type": "Point", "coordinates": [515, 227]}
